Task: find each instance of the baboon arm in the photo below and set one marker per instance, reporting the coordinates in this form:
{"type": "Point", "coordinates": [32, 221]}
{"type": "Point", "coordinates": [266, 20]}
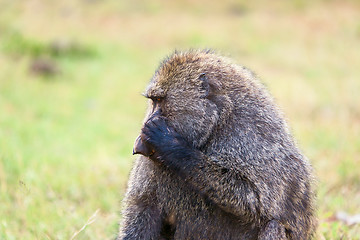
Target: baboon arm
{"type": "Point", "coordinates": [142, 216]}
{"type": "Point", "coordinates": [141, 223]}
{"type": "Point", "coordinates": [221, 185]}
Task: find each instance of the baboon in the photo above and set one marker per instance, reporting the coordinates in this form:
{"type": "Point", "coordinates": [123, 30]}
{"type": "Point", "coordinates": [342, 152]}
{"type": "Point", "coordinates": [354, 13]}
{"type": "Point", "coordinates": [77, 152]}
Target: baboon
{"type": "Point", "coordinates": [217, 159]}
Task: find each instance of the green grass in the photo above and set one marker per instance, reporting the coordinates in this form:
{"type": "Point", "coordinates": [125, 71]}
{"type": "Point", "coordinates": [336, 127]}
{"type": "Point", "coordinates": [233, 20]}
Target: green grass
{"type": "Point", "coordinates": [66, 139]}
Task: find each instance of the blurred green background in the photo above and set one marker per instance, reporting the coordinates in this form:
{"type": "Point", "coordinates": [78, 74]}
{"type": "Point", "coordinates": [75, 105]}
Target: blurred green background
{"type": "Point", "coordinates": [71, 74]}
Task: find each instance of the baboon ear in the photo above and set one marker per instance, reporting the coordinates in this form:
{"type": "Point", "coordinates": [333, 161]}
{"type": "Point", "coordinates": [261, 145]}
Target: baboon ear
{"type": "Point", "coordinates": [204, 84]}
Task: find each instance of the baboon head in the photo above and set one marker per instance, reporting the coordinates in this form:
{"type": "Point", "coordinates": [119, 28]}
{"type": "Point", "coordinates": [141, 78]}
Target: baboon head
{"type": "Point", "coordinates": [187, 91]}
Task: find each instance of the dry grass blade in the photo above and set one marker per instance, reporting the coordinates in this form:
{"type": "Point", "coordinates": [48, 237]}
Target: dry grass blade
{"type": "Point", "coordinates": [89, 221]}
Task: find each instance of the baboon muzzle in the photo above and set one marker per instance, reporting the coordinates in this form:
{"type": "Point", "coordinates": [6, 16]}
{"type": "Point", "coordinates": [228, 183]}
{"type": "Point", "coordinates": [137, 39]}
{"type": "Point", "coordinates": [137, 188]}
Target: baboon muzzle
{"type": "Point", "coordinates": [139, 146]}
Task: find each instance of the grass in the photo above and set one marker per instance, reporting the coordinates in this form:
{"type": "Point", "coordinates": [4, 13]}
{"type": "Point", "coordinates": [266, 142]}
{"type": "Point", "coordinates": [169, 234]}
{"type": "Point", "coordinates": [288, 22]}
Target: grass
{"type": "Point", "coordinates": [66, 138]}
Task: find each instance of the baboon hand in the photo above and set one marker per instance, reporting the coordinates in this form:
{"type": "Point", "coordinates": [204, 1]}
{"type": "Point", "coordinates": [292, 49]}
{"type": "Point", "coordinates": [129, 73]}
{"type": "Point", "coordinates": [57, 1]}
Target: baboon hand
{"type": "Point", "coordinates": [158, 139]}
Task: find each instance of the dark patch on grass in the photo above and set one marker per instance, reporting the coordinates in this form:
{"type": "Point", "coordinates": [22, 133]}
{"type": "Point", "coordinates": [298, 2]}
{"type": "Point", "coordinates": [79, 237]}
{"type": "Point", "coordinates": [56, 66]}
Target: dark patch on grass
{"type": "Point", "coordinates": [18, 45]}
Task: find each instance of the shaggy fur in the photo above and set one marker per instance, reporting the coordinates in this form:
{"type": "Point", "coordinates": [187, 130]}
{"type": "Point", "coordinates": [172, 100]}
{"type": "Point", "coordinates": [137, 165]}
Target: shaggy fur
{"type": "Point", "coordinates": [219, 162]}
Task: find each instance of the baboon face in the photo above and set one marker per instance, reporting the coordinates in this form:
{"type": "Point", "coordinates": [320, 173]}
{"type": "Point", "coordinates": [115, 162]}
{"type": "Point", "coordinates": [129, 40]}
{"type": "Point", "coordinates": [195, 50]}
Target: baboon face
{"type": "Point", "coordinates": [182, 97]}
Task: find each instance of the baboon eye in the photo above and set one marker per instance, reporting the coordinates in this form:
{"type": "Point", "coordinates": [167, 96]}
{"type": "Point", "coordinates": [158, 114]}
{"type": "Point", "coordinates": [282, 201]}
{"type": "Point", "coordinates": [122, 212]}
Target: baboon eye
{"type": "Point", "coordinates": [153, 98]}
{"type": "Point", "coordinates": [156, 99]}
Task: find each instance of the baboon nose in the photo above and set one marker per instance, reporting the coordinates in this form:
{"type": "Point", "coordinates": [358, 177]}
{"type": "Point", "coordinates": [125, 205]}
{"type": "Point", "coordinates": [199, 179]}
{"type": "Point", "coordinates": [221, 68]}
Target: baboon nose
{"type": "Point", "coordinates": [140, 148]}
